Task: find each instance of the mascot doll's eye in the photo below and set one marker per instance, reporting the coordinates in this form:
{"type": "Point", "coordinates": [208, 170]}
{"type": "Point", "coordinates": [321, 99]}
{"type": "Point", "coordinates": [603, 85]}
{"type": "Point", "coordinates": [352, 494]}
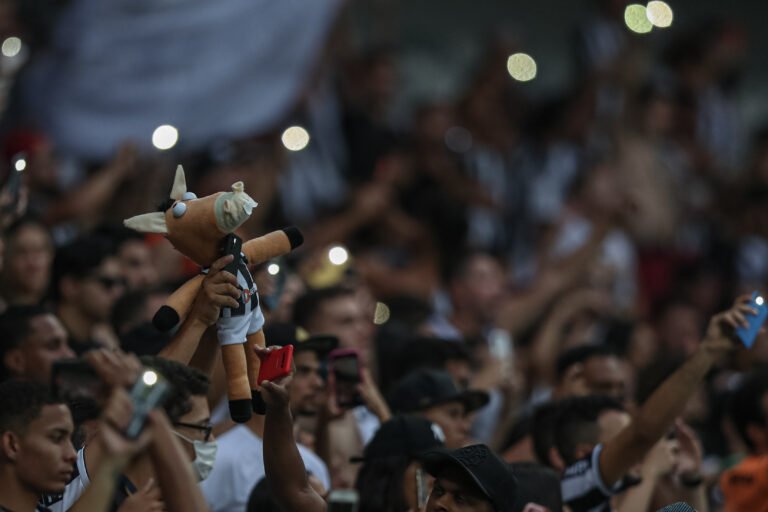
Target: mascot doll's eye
{"type": "Point", "coordinates": [188, 196]}
{"type": "Point", "coordinates": [179, 209]}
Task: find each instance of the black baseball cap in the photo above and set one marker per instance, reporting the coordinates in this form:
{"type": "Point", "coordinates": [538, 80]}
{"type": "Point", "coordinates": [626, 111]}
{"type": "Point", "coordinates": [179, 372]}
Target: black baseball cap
{"type": "Point", "coordinates": [493, 477]}
{"type": "Point", "coordinates": [408, 436]}
{"type": "Point", "coordinates": [425, 388]}
{"type": "Point", "coordinates": [282, 334]}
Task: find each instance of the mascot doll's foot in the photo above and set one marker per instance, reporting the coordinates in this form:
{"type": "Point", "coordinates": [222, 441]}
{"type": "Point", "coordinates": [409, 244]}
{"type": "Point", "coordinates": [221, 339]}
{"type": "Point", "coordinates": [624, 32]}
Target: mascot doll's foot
{"type": "Point", "coordinates": [240, 410]}
{"type": "Point", "coordinates": [259, 406]}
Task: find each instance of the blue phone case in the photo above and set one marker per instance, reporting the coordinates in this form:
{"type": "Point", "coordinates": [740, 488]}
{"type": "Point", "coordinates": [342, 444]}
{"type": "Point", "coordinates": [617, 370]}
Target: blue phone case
{"type": "Point", "coordinates": [748, 335]}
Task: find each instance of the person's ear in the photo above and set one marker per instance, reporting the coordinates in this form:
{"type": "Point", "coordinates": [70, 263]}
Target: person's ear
{"type": "Point", "coordinates": [555, 459]}
{"type": "Point", "coordinates": [10, 445]}
{"type": "Point", "coordinates": [15, 361]}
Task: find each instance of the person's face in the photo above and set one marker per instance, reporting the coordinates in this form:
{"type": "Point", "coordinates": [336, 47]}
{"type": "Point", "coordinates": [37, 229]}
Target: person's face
{"type": "Point", "coordinates": [481, 288]}
{"type": "Point", "coordinates": [452, 419]}
{"type": "Point", "coordinates": [28, 257]}
{"type": "Point", "coordinates": [45, 344]}
{"type": "Point", "coordinates": [99, 291]}
{"type": "Point", "coordinates": [680, 330]}
{"type": "Point", "coordinates": [454, 492]}
{"type": "Point", "coordinates": [137, 267]}
{"type": "Point", "coordinates": [306, 385]}
{"type": "Point", "coordinates": [345, 317]}
{"type": "Point", "coordinates": [193, 425]}
{"type": "Point", "coordinates": [605, 376]}
{"type": "Point", "coordinates": [43, 456]}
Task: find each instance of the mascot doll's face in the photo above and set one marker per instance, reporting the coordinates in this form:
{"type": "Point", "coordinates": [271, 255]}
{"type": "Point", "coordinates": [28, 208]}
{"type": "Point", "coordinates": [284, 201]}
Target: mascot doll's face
{"type": "Point", "coordinates": [195, 226]}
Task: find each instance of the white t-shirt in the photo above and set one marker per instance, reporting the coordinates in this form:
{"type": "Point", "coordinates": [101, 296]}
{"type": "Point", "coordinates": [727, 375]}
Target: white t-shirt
{"type": "Point", "coordinates": [240, 465]}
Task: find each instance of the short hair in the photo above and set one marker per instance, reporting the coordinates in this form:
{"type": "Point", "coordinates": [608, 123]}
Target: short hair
{"type": "Point", "coordinates": [15, 326]}
{"type": "Point", "coordinates": [306, 307]}
{"type": "Point", "coordinates": [21, 403]}
{"type": "Point", "coordinates": [79, 258]}
{"type": "Point", "coordinates": [581, 354]}
{"type": "Point", "coordinates": [745, 405]}
{"type": "Point", "coordinates": [536, 484]}
{"type": "Point", "coordinates": [22, 222]}
{"type": "Point", "coordinates": [576, 422]}
{"type": "Point", "coordinates": [542, 430]}
{"type": "Point", "coordinates": [185, 381]}
{"type": "Point", "coordinates": [261, 500]}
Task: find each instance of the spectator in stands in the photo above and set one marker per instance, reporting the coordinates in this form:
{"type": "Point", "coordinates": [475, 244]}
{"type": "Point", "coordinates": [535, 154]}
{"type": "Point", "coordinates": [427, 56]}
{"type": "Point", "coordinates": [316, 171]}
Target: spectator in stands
{"type": "Point", "coordinates": [591, 370]}
{"type": "Point", "coordinates": [27, 259]}
{"type": "Point", "coordinates": [433, 395]}
{"type": "Point", "coordinates": [599, 472]}
{"type": "Point", "coordinates": [87, 280]}
{"type": "Point", "coordinates": [471, 479]}
{"type": "Point", "coordinates": [392, 477]}
{"type": "Point", "coordinates": [33, 339]}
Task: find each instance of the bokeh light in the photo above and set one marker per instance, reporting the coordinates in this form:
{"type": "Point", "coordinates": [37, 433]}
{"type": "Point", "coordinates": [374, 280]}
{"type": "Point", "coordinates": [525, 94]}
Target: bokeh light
{"type": "Point", "coordinates": [165, 137]}
{"type": "Point", "coordinates": [273, 269]}
{"type": "Point", "coordinates": [149, 378]}
{"type": "Point", "coordinates": [20, 164]}
{"type": "Point", "coordinates": [338, 255]}
{"type": "Point", "coordinates": [521, 67]}
{"type": "Point", "coordinates": [295, 138]}
{"type": "Point", "coordinates": [659, 13]}
{"type": "Point", "coordinates": [636, 18]}
{"type": "Point", "coordinates": [382, 314]}
{"type": "Point", "coordinates": [11, 47]}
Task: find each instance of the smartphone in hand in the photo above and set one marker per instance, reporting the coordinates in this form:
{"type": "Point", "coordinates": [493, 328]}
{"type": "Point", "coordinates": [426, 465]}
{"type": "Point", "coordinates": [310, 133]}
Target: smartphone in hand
{"type": "Point", "coordinates": [747, 335]}
{"type": "Point", "coordinates": [343, 500]}
{"type": "Point", "coordinates": [150, 391]}
{"type": "Point", "coordinates": [346, 369]}
{"type": "Point", "coordinates": [276, 364]}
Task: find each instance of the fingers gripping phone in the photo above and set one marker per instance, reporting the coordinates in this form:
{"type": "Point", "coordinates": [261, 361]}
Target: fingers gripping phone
{"type": "Point", "coordinates": [747, 335]}
{"type": "Point", "coordinates": [277, 364]}
{"type": "Point", "coordinates": [345, 366]}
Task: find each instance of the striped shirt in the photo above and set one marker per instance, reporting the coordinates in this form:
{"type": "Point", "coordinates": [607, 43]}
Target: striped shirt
{"type": "Point", "coordinates": [584, 489]}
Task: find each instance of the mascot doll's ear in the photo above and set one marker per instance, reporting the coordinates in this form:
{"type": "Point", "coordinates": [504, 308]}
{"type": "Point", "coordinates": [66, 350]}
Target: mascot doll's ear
{"type": "Point", "coordinates": [148, 223]}
{"type": "Point", "coordinates": [179, 185]}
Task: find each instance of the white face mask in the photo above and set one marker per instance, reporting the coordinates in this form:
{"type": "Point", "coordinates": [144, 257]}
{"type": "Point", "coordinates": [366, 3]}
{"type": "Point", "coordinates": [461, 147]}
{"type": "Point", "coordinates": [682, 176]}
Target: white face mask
{"type": "Point", "coordinates": [205, 455]}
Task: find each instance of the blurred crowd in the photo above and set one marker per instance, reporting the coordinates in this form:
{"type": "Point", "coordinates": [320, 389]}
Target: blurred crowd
{"type": "Point", "coordinates": [522, 280]}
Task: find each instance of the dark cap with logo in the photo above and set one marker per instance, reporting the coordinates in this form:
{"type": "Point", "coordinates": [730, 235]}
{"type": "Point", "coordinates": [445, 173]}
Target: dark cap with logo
{"type": "Point", "coordinates": [426, 388]}
{"type": "Point", "coordinates": [492, 476]}
{"type": "Point", "coordinates": [403, 436]}
{"type": "Point", "coordinates": [282, 334]}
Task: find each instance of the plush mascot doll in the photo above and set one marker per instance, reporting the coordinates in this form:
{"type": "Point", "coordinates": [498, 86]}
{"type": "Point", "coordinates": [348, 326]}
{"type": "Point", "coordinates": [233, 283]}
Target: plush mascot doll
{"type": "Point", "coordinates": [197, 228]}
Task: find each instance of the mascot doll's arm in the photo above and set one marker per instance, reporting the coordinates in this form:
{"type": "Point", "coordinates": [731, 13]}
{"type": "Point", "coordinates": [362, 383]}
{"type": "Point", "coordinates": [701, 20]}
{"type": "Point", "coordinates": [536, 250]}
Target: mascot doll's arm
{"type": "Point", "coordinates": [178, 304]}
{"type": "Point", "coordinates": [272, 245]}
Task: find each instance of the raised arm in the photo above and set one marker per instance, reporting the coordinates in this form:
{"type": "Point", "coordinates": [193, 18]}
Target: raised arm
{"type": "Point", "coordinates": [658, 413]}
{"type": "Point", "coordinates": [283, 465]}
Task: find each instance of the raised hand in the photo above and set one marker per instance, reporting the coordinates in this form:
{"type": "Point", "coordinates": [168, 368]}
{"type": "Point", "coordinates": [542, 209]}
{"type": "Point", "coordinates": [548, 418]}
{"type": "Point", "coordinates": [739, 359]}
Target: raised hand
{"type": "Point", "coordinates": [218, 290]}
{"type": "Point", "coordinates": [719, 338]}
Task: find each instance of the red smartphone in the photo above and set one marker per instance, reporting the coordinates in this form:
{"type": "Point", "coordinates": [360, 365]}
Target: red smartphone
{"type": "Point", "coordinates": [345, 365]}
{"type": "Point", "coordinates": [277, 364]}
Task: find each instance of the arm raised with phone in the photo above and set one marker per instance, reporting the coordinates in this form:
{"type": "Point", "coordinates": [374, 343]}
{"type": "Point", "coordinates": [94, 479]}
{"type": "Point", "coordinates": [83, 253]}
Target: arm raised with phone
{"type": "Point", "coordinates": [657, 415]}
{"type": "Point", "coordinates": [282, 462]}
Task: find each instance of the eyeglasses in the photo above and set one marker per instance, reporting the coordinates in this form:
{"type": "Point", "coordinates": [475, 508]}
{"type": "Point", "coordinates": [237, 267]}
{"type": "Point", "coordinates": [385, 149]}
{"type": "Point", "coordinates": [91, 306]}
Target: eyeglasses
{"type": "Point", "coordinates": [207, 429]}
{"type": "Point", "coordinates": [110, 282]}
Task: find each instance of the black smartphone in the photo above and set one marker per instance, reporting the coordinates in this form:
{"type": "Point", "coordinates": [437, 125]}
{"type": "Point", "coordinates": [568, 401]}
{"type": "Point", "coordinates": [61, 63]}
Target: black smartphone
{"type": "Point", "coordinates": [149, 391]}
{"type": "Point", "coordinates": [345, 365]}
{"type": "Point", "coordinates": [343, 500]}
{"type": "Point", "coordinates": [232, 244]}
{"type": "Point", "coordinates": [73, 379]}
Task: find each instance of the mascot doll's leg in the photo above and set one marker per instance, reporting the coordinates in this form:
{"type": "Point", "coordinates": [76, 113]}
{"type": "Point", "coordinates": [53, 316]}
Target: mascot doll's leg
{"type": "Point", "coordinates": [238, 388]}
{"type": "Point", "coordinates": [254, 364]}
